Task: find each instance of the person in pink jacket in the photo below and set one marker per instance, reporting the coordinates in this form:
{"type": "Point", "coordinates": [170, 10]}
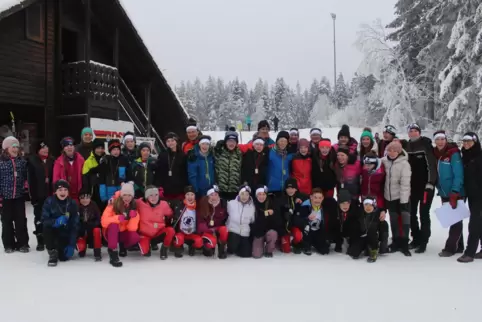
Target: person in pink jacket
{"type": "Point", "coordinates": [152, 226]}
{"type": "Point", "coordinates": [348, 172]}
{"type": "Point", "coordinates": [68, 167]}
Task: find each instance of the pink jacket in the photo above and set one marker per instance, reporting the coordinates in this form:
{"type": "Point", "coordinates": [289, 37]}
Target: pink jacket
{"type": "Point", "coordinates": [60, 172]}
{"type": "Point", "coordinates": [152, 218]}
{"type": "Point", "coordinates": [348, 177]}
{"type": "Point", "coordinates": [352, 146]}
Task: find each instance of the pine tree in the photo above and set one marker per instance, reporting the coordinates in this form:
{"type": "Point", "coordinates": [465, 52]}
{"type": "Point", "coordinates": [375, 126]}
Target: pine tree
{"type": "Point", "coordinates": [212, 103]}
{"type": "Point", "coordinates": [341, 95]}
{"type": "Point", "coordinates": [325, 87]}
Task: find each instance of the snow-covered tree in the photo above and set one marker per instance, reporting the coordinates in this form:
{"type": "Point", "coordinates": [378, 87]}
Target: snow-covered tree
{"type": "Point", "coordinates": [340, 96]}
{"type": "Point", "coordinates": [322, 111]}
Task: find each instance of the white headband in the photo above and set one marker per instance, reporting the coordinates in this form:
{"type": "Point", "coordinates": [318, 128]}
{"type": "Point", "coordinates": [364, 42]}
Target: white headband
{"type": "Point", "coordinates": [260, 141]}
{"type": "Point", "coordinates": [469, 138]}
{"type": "Point", "coordinates": [128, 137]}
{"type": "Point", "coordinates": [294, 132]}
{"type": "Point", "coordinates": [369, 202]}
{"type": "Point", "coordinates": [315, 132]}
{"type": "Point", "coordinates": [205, 141]}
{"type": "Point", "coordinates": [372, 160]}
{"type": "Point", "coordinates": [263, 189]}
{"type": "Point", "coordinates": [212, 190]}
{"type": "Point", "coordinates": [191, 127]}
{"type": "Point", "coordinates": [245, 189]}
{"type": "Point", "coordinates": [439, 136]}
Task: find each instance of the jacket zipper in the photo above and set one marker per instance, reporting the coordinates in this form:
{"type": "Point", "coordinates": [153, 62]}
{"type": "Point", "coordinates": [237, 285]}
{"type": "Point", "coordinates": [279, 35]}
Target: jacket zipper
{"type": "Point", "coordinates": [390, 180]}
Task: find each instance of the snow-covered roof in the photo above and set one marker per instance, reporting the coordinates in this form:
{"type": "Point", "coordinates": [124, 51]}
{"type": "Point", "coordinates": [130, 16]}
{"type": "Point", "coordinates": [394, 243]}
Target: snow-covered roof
{"type": "Point", "coordinates": [7, 7]}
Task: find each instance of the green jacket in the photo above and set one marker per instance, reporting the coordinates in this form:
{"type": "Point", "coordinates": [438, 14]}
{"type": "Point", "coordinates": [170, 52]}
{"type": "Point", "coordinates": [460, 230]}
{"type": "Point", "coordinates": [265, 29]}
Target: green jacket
{"type": "Point", "coordinates": [227, 167]}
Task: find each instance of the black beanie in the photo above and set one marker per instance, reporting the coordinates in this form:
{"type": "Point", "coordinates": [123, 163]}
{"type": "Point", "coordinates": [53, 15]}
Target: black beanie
{"type": "Point", "coordinates": [344, 150]}
{"type": "Point", "coordinates": [61, 184]}
{"type": "Point", "coordinates": [171, 135]}
{"type": "Point", "coordinates": [291, 183]}
{"type": "Point", "coordinates": [189, 189]}
{"type": "Point", "coordinates": [262, 124]}
{"type": "Point", "coordinates": [344, 196]}
{"type": "Point", "coordinates": [40, 146]}
{"type": "Point", "coordinates": [344, 131]}
{"type": "Point", "coordinates": [144, 145]}
{"type": "Point", "coordinates": [283, 134]}
{"type": "Point", "coordinates": [97, 144]}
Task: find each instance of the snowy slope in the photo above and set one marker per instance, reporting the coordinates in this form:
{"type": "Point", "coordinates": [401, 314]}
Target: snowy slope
{"type": "Point", "coordinates": [286, 288]}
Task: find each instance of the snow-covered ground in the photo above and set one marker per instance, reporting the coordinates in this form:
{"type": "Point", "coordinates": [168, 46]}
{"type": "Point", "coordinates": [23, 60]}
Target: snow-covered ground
{"type": "Point", "coordinates": [286, 288]}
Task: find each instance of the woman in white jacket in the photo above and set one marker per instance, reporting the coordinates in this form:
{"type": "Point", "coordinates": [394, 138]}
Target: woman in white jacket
{"type": "Point", "coordinates": [397, 194]}
{"type": "Point", "coordinates": [241, 215]}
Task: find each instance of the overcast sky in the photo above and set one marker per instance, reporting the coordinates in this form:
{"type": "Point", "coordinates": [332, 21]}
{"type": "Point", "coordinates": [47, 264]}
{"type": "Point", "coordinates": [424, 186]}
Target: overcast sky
{"type": "Point", "coordinates": [254, 38]}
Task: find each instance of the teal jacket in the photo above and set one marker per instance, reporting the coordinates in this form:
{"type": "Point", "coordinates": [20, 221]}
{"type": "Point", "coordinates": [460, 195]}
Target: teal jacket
{"type": "Point", "coordinates": [450, 171]}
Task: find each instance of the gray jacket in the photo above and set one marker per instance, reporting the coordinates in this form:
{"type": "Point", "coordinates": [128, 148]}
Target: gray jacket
{"type": "Point", "coordinates": [240, 216]}
{"type": "Point", "coordinates": [397, 181]}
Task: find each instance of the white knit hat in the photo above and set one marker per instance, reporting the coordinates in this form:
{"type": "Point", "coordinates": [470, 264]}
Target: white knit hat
{"type": "Point", "coordinates": [9, 142]}
{"type": "Point", "coordinates": [127, 189]}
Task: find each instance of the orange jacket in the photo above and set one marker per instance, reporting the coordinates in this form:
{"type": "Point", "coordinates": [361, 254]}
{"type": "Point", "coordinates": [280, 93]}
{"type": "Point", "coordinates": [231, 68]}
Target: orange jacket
{"type": "Point", "coordinates": [152, 218]}
{"type": "Point", "coordinates": [110, 217]}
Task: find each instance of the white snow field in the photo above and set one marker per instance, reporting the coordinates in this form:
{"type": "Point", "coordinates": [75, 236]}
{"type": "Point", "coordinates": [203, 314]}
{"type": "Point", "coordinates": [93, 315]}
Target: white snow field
{"type": "Point", "coordinates": [285, 288]}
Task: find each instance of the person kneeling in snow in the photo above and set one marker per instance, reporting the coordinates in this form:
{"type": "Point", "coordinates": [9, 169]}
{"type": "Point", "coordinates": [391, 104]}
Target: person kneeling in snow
{"type": "Point", "coordinates": [89, 228]}
{"type": "Point", "coordinates": [211, 223]}
{"type": "Point", "coordinates": [152, 226]}
{"type": "Point", "coordinates": [349, 216]}
{"type": "Point", "coordinates": [60, 217]}
{"type": "Point", "coordinates": [120, 222]}
{"type": "Point", "coordinates": [311, 222]}
{"type": "Point", "coordinates": [266, 224]}
{"type": "Point", "coordinates": [241, 216]}
{"type": "Point", "coordinates": [185, 224]}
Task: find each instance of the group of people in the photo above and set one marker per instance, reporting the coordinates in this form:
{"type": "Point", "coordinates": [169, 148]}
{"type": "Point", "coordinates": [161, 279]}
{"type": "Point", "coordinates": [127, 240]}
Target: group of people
{"type": "Point", "coordinates": [245, 200]}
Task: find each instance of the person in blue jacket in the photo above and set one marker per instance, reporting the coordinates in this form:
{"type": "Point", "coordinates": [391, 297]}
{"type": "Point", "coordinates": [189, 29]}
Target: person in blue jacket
{"type": "Point", "coordinates": [279, 164]}
{"type": "Point", "coordinates": [450, 187]}
{"type": "Point", "coordinates": [60, 217]}
{"type": "Point", "coordinates": [200, 166]}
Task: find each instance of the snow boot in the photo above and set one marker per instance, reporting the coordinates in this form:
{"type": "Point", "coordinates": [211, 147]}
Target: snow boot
{"type": "Point", "coordinates": [307, 250]}
{"type": "Point", "coordinates": [372, 258]}
{"type": "Point", "coordinates": [222, 251]}
{"type": "Point", "coordinates": [268, 255]}
{"type": "Point", "coordinates": [154, 247]}
{"type": "Point", "coordinates": [114, 258]}
{"type": "Point", "coordinates": [339, 248]}
{"type": "Point", "coordinates": [414, 244]}
{"type": "Point", "coordinates": [9, 250]}
{"type": "Point", "coordinates": [207, 252]}
{"type": "Point", "coordinates": [163, 252]}
{"type": "Point", "coordinates": [24, 249]}
{"type": "Point", "coordinates": [395, 246]}
{"type": "Point", "coordinates": [465, 259]}
{"type": "Point", "coordinates": [384, 249]}
{"type": "Point", "coordinates": [148, 254]}
{"type": "Point", "coordinates": [404, 248]}
{"type": "Point", "coordinates": [53, 258]}
{"type": "Point", "coordinates": [40, 243]}
{"type": "Point", "coordinates": [192, 250]}
{"type": "Point", "coordinates": [297, 249]}
{"type": "Point", "coordinates": [122, 250]}
{"type": "Point", "coordinates": [178, 252]}
{"type": "Point", "coordinates": [445, 253]}
{"type": "Point", "coordinates": [97, 254]}
{"type": "Point", "coordinates": [478, 255]}
{"type": "Point", "coordinates": [421, 249]}
{"type": "Point", "coordinates": [82, 254]}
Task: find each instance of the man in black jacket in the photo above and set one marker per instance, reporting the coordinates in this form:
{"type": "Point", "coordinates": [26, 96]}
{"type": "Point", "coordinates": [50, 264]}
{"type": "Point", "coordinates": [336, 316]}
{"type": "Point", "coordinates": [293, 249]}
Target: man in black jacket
{"type": "Point", "coordinates": [40, 172]}
{"type": "Point", "coordinates": [424, 176]}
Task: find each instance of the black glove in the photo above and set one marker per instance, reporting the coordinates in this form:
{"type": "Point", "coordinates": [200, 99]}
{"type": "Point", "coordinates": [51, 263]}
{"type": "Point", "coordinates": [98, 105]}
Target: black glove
{"type": "Point", "coordinates": [405, 207]}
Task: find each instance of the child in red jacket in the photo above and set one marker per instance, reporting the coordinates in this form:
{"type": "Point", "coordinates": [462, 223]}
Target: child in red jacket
{"type": "Point", "coordinates": [301, 167]}
{"type": "Point", "coordinates": [152, 225]}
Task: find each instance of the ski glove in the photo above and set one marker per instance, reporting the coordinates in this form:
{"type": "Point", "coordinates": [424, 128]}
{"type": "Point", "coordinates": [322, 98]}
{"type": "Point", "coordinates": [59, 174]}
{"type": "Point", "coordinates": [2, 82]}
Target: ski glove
{"type": "Point", "coordinates": [69, 252]}
{"type": "Point", "coordinates": [453, 198]}
{"type": "Point", "coordinates": [428, 192]}
{"type": "Point", "coordinates": [60, 221]}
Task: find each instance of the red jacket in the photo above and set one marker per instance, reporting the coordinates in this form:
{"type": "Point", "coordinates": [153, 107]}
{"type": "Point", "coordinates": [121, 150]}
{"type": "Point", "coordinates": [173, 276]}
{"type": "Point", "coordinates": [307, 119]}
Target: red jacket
{"type": "Point", "coordinates": [301, 171]}
{"type": "Point", "coordinates": [61, 171]}
{"type": "Point", "coordinates": [152, 219]}
{"type": "Point", "coordinates": [373, 183]}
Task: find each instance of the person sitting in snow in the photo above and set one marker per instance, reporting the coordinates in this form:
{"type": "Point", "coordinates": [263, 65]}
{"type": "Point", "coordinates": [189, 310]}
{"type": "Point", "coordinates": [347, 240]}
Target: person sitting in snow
{"type": "Point", "coordinates": [349, 216]}
{"type": "Point", "coordinates": [89, 233]}
{"type": "Point", "coordinates": [60, 217]}
{"type": "Point", "coordinates": [211, 222]}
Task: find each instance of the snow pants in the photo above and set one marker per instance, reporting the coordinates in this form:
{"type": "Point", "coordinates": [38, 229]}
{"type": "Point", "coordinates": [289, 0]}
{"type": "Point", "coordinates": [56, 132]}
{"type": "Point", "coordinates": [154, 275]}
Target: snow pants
{"type": "Point", "coordinates": [269, 238]}
{"type": "Point", "coordinates": [89, 238]}
{"type": "Point", "coordinates": [115, 237]}
{"type": "Point", "coordinates": [37, 212]}
{"type": "Point", "coordinates": [14, 223]}
{"type": "Point", "coordinates": [219, 235]}
{"type": "Point", "coordinates": [286, 240]}
{"type": "Point", "coordinates": [194, 239]}
{"type": "Point", "coordinates": [57, 239]}
{"type": "Point", "coordinates": [370, 240]}
{"type": "Point", "coordinates": [316, 239]}
{"type": "Point", "coordinates": [420, 203]}
{"type": "Point", "coordinates": [165, 236]}
{"type": "Point", "coordinates": [475, 226]}
{"type": "Point", "coordinates": [399, 221]}
{"type": "Point", "coordinates": [455, 241]}
{"type": "Point", "coordinates": [239, 245]}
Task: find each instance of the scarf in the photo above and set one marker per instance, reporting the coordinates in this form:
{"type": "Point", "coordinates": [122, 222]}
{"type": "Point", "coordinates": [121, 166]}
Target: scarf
{"type": "Point", "coordinates": [191, 206]}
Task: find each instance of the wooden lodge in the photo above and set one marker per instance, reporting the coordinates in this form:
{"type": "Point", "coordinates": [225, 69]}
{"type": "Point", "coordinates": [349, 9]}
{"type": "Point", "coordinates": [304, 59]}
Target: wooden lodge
{"type": "Point", "coordinates": [66, 62]}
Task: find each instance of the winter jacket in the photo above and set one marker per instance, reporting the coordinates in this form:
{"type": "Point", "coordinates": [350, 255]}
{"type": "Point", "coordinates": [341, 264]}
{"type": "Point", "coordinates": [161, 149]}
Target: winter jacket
{"type": "Point", "coordinates": [200, 170]}
{"type": "Point", "coordinates": [240, 217]}
{"type": "Point", "coordinates": [288, 207]}
{"type": "Point", "coordinates": [84, 149]}
{"type": "Point", "coordinates": [397, 180]}
{"type": "Point", "coordinates": [13, 175]}
{"type": "Point", "coordinates": [227, 167]}
{"type": "Point", "coordinates": [171, 172]}
{"type": "Point", "coordinates": [422, 162]}
{"type": "Point", "coordinates": [89, 217]}
{"type": "Point", "coordinates": [264, 222]}
{"type": "Point", "coordinates": [292, 147]}
{"type": "Point", "coordinates": [111, 217]}
{"type": "Point", "coordinates": [189, 145]}
{"type": "Point", "coordinates": [209, 217]}
{"type": "Point", "coordinates": [253, 160]}
{"type": "Point", "coordinates": [472, 160]}
{"type": "Point", "coordinates": [40, 174]}
{"type": "Point", "coordinates": [278, 170]}
{"type": "Point", "coordinates": [323, 175]}
{"type": "Point", "coordinates": [185, 217]}
{"type": "Point", "coordinates": [348, 177]}
{"type": "Point", "coordinates": [53, 208]}
{"type": "Point", "coordinates": [301, 171]}
{"type": "Point", "coordinates": [131, 155]}
{"type": "Point", "coordinates": [352, 146]}
{"type": "Point", "coordinates": [373, 184]}
{"type": "Point", "coordinates": [152, 218]}
{"type": "Point", "coordinates": [143, 175]}
{"type": "Point", "coordinates": [351, 221]}
{"type": "Point", "coordinates": [90, 172]}
{"type": "Point", "coordinates": [112, 173]}
{"type": "Point", "coordinates": [331, 220]}
{"type": "Point", "coordinates": [450, 171]}
{"type": "Point", "coordinates": [61, 171]}
{"type": "Point", "coordinates": [302, 222]}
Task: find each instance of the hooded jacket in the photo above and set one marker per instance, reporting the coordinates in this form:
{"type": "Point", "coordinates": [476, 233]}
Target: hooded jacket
{"type": "Point", "coordinates": [450, 171]}
{"type": "Point", "coordinates": [397, 180]}
{"type": "Point", "coordinates": [240, 217]}
{"type": "Point", "coordinates": [348, 177]}
{"type": "Point", "coordinates": [111, 217]}
{"type": "Point", "coordinates": [301, 170]}
{"type": "Point", "coordinates": [112, 173]}
{"type": "Point", "coordinates": [200, 169]}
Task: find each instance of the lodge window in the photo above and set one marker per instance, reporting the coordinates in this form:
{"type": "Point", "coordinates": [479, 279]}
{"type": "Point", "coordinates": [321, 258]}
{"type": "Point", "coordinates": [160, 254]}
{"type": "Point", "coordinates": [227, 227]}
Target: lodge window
{"type": "Point", "coordinates": [34, 22]}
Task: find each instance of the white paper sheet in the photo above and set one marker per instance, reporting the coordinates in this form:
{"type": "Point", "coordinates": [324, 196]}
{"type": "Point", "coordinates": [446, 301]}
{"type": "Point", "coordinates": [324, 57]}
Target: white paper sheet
{"type": "Point", "coordinates": [448, 216]}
